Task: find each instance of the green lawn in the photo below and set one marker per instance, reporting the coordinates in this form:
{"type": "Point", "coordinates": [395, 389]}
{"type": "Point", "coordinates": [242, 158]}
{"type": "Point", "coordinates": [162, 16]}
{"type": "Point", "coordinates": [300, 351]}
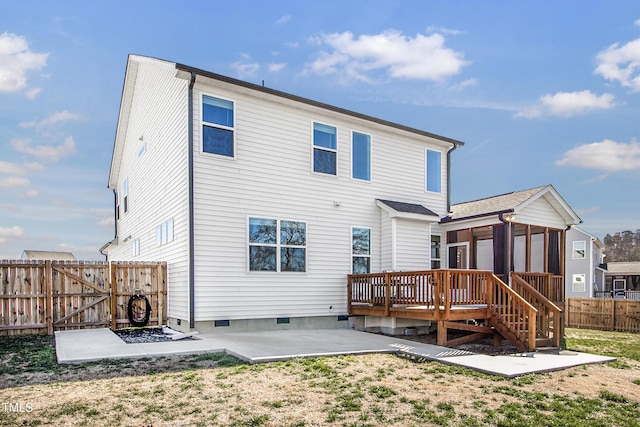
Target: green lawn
{"type": "Point", "coordinates": [365, 390]}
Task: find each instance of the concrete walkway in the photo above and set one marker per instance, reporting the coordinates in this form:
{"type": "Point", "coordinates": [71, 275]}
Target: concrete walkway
{"type": "Point", "coordinates": [266, 346]}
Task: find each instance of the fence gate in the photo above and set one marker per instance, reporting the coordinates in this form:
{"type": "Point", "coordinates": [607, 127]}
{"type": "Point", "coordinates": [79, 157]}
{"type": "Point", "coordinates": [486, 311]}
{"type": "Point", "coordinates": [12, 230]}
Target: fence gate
{"type": "Point", "coordinates": [61, 295]}
{"type": "Point", "coordinates": [80, 295]}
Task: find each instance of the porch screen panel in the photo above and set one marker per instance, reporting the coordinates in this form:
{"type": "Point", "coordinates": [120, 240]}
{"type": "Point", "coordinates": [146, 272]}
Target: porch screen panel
{"type": "Point", "coordinates": [554, 252]}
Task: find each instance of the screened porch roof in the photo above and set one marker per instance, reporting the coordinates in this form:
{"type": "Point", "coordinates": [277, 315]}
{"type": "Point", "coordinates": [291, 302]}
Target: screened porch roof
{"type": "Point", "coordinates": [513, 202]}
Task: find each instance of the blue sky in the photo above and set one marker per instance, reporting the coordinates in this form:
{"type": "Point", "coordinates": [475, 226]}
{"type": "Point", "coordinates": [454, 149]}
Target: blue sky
{"type": "Point", "coordinates": [541, 92]}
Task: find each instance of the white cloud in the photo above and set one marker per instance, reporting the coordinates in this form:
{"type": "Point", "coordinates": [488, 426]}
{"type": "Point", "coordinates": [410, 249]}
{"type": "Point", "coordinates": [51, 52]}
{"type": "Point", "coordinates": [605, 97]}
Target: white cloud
{"type": "Point", "coordinates": [30, 194]}
{"type": "Point", "coordinates": [356, 58]}
{"type": "Point", "coordinates": [606, 155]}
{"type": "Point", "coordinates": [33, 92]}
{"type": "Point", "coordinates": [621, 64]}
{"type": "Point", "coordinates": [14, 181]}
{"type": "Point", "coordinates": [458, 87]}
{"type": "Point", "coordinates": [567, 104]}
{"type": "Point", "coordinates": [442, 30]}
{"type": "Point", "coordinates": [107, 222]}
{"type": "Point", "coordinates": [45, 152]}
{"type": "Point", "coordinates": [15, 61]}
{"type": "Point", "coordinates": [246, 69]}
{"type": "Point", "coordinates": [274, 68]}
{"type": "Point", "coordinates": [11, 168]}
{"type": "Point", "coordinates": [283, 19]}
{"type": "Point", "coordinates": [62, 116]}
{"type": "Point", "coordinates": [7, 232]}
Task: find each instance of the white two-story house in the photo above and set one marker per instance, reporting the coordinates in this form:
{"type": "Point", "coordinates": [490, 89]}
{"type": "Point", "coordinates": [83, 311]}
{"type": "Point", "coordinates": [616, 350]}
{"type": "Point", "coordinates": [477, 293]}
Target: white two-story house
{"type": "Point", "coordinates": [262, 202]}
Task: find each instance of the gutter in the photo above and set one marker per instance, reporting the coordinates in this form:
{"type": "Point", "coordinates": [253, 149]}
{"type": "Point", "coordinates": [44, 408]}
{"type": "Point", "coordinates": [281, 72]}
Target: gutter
{"type": "Point", "coordinates": [192, 321]}
{"type": "Point", "coordinates": [455, 145]}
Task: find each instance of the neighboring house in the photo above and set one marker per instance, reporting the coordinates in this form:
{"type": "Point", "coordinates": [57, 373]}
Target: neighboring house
{"type": "Point", "coordinates": [47, 256]}
{"type": "Point", "coordinates": [262, 202]}
{"type": "Point", "coordinates": [622, 280]}
{"type": "Point", "coordinates": [584, 271]}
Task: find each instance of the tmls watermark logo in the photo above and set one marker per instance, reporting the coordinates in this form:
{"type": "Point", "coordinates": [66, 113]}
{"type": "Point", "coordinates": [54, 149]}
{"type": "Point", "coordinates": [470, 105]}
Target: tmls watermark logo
{"type": "Point", "coordinates": [17, 407]}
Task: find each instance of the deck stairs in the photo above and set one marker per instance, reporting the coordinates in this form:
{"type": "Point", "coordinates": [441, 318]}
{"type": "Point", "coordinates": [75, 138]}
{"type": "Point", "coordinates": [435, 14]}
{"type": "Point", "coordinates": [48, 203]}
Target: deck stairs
{"type": "Point", "coordinates": [536, 325]}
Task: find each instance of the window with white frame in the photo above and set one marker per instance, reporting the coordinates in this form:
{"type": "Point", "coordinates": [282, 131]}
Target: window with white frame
{"type": "Point", "coordinates": [433, 171]}
{"type": "Point", "coordinates": [125, 195]}
{"type": "Point", "coordinates": [325, 149]}
{"type": "Point", "coordinates": [277, 245]}
{"type": "Point", "coordinates": [360, 250]}
{"type": "Point", "coordinates": [436, 246]}
{"type": "Point", "coordinates": [164, 233]}
{"type": "Point", "coordinates": [361, 156]}
{"type": "Point", "coordinates": [217, 126]}
{"type": "Point", "coordinates": [579, 249]}
{"type": "Point", "coordinates": [135, 247]}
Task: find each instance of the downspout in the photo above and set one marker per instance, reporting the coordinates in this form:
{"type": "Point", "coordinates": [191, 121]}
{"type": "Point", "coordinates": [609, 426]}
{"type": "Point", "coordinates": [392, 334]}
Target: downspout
{"type": "Point", "coordinates": [453, 148]}
{"type": "Point", "coordinates": [192, 321]}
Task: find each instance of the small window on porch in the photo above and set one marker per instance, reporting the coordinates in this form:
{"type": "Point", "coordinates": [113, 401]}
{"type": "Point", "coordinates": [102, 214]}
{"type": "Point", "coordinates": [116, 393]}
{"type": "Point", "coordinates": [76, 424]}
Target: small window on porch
{"type": "Point", "coordinates": [579, 249]}
{"type": "Point", "coordinates": [361, 250]}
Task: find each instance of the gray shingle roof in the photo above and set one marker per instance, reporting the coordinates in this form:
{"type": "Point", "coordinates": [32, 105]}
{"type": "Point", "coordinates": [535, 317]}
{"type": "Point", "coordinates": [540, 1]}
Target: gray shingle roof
{"type": "Point", "coordinates": [408, 207]}
{"type": "Point", "coordinates": [492, 205]}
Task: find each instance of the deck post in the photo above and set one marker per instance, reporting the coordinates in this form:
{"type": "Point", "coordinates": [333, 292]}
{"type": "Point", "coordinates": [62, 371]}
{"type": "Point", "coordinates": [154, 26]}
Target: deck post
{"type": "Point", "coordinates": [442, 333]}
{"type": "Point", "coordinates": [349, 290]}
{"type": "Point", "coordinates": [387, 293]}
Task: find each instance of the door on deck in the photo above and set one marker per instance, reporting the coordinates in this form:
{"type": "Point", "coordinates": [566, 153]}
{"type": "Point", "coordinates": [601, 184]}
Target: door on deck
{"type": "Point", "coordinates": [459, 255]}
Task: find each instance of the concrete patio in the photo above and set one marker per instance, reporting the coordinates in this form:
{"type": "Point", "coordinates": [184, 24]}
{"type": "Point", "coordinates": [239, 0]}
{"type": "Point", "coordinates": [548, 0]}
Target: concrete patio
{"type": "Point", "coordinates": [267, 346]}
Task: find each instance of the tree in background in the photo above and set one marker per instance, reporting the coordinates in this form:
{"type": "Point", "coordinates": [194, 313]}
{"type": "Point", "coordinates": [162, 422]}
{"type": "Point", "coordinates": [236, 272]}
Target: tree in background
{"type": "Point", "coordinates": [622, 246]}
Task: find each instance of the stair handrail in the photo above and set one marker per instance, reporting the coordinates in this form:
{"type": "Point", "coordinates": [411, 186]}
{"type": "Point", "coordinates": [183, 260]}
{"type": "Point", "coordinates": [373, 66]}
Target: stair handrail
{"type": "Point", "coordinates": [531, 312]}
{"type": "Point", "coordinates": [556, 312]}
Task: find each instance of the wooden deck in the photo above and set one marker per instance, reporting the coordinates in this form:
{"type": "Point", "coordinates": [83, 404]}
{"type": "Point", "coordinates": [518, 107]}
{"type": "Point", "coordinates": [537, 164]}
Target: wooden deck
{"type": "Point", "coordinates": [470, 300]}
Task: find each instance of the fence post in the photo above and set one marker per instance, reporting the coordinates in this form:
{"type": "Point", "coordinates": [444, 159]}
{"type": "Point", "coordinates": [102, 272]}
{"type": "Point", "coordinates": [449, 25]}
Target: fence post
{"type": "Point", "coordinates": [48, 299]}
{"type": "Point", "coordinates": [160, 283]}
{"type": "Point", "coordinates": [114, 296]}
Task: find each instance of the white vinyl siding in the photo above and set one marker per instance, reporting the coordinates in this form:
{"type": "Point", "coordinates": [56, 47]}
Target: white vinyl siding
{"type": "Point", "coordinates": [412, 245]}
{"type": "Point", "coordinates": [157, 180]}
{"type": "Point", "coordinates": [227, 193]}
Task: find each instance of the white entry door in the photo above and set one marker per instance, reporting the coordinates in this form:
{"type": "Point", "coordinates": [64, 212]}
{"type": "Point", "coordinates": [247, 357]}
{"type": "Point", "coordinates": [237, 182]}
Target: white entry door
{"type": "Point", "coordinates": [459, 255]}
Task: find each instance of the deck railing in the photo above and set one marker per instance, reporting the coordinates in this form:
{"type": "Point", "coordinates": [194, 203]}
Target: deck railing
{"type": "Point", "coordinates": [550, 319]}
{"type": "Point", "coordinates": [548, 284]}
{"type": "Point", "coordinates": [440, 291]}
{"type": "Point", "coordinates": [437, 289]}
{"type": "Point", "coordinates": [512, 315]}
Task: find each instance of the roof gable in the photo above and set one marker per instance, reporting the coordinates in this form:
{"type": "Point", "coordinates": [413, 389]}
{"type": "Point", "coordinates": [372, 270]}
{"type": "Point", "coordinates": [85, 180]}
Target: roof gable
{"type": "Point", "coordinates": [514, 202]}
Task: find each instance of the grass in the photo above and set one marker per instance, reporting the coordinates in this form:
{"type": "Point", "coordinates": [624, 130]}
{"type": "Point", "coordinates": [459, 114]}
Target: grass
{"type": "Point", "coordinates": [367, 390]}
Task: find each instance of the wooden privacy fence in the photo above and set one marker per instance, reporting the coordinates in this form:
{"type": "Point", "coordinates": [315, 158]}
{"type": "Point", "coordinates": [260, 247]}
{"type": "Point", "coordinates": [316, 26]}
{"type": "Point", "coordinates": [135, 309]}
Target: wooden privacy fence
{"type": "Point", "coordinates": [39, 296]}
{"type": "Point", "coordinates": [607, 314]}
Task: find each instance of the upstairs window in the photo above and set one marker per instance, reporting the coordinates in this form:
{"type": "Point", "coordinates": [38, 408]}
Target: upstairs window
{"type": "Point", "coordinates": [361, 156]}
{"type": "Point", "coordinates": [277, 245]}
{"type": "Point", "coordinates": [579, 249]}
{"type": "Point", "coordinates": [434, 171]}
{"type": "Point", "coordinates": [325, 149]}
{"type": "Point", "coordinates": [217, 126]}
{"type": "Point", "coordinates": [361, 250]}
